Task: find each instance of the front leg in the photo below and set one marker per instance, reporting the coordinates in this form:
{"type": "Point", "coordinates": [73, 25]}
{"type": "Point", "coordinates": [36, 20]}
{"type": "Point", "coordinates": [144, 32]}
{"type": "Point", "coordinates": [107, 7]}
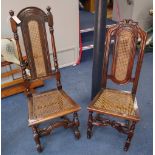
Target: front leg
{"type": "Point", "coordinates": [76, 124]}
{"type": "Point", "coordinates": [90, 125]}
{"type": "Point", "coordinates": [130, 135]}
{"type": "Point", "coordinates": [37, 139]}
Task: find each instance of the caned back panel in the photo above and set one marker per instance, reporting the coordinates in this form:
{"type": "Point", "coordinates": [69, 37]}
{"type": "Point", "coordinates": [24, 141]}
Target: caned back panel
{"type": "Point", "coordinates": [125, 35]}
{"type": "Point", "coordinates": [123, 56]}
{"type": "Point", "coordinates": [35, 41]}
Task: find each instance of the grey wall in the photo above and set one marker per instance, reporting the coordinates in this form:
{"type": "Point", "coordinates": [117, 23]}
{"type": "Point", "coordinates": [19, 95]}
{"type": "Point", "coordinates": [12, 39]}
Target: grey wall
{"type": "Point", "coordinates": [66, 25]}
{"type": "Point", "coordinates": [141, 12]}
{"type": "Point", "coordinates": [138, 11]}
{"type": "Point", "coordinates": [124, 9]}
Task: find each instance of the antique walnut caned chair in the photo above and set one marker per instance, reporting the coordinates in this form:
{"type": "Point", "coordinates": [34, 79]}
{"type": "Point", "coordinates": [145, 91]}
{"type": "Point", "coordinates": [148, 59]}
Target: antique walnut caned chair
{"type": "Point", "coordinates": [118, 103]}
{"type": "Point", "coordinates": [51, 104]}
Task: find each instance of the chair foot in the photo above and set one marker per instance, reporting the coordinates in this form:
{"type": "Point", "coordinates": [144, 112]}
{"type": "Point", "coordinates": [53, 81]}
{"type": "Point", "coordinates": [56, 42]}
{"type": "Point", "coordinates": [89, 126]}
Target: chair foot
{"type": "Point", "coordinates": [37, 139]}
{"type": "Point", "coordinates": [39, 148]}
{"type": "Point", "coordinates": [77, 134]}
{"type": "Point", "coordinates": [130, 135]}
{"type": "Point", "coordinates": [90, 125]}
{"type": "Point", "coordinates": [76, 125]}
{"type": "Point", "coordinates": [89, 134]}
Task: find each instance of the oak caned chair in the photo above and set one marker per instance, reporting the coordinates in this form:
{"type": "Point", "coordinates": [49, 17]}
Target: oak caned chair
{"type": "Point", "coordinates": [51, 104]}
{"type": "Point", "coordinates": [113, 104]}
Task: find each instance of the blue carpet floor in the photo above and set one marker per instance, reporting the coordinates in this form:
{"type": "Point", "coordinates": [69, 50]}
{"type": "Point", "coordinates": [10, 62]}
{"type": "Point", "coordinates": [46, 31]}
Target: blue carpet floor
{"type": "Point", "coordinates": [17, 138]}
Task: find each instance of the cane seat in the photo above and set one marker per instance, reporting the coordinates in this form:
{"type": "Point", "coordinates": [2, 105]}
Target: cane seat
{"type": "Point", "coordinates": [116, 103]}
{"type": "Point", "coordinates": [49, 105]}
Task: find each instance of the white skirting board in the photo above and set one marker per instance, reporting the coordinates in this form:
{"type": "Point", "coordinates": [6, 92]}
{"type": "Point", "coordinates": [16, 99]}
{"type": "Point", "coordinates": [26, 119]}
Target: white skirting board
{"type": "Point", "coordinates": [66, 57]}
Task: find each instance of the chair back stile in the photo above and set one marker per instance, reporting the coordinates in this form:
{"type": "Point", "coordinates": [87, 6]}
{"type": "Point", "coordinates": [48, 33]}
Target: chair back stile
{"type": "Point", "coordinates": [50, 24]}
{"type": "Point", "coordinates": [125, 36]}
{"type": "Point", "coordinates": [34, 35]}
{"type": "Point", "coordinates": [23, 63]}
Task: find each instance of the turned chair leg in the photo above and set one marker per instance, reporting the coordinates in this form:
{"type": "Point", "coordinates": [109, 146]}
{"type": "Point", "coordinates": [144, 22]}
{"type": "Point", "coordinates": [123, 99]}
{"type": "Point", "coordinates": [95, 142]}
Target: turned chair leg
{"type": "Point", "coordinates": [37, 139]}
{"type": "Point", "coordinates": [90, 125]}
{"type": "Point", "coordinates": [76, 125]}
{"type": "Point", "coordinates": [130, 135]}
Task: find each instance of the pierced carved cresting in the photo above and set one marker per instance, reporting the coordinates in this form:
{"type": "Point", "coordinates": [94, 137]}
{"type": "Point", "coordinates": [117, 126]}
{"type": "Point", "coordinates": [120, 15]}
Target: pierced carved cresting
{"type": "Point", "coordinates": [37, 48]}
{"type": "Point", "coordinates": [123, 54]}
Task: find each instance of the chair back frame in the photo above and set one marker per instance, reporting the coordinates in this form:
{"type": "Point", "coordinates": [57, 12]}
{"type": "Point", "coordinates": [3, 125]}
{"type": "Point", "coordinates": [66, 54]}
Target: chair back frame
{"type": "Point", "coordinates": [34, 36]}
{"type": "Point", "coordinates": [125, 36]}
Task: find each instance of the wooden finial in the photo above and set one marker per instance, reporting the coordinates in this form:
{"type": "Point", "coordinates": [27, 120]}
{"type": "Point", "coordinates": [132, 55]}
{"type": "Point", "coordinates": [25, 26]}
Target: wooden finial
{"type": "Point", "coordinates": [11, 12]}
{"type": "Point", "coordinates": [48, 8]}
